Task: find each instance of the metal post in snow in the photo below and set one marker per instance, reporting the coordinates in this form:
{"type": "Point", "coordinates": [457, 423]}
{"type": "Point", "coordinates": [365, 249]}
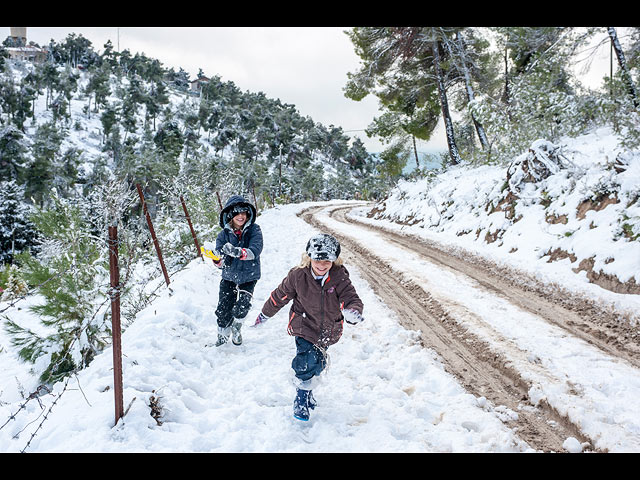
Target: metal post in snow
{"type": "Point", "coordinates": [153, 233]}
{"type": "Point", "coordinates": [193, 233]}
{"type": "Point", "coordinates": [116, 330]}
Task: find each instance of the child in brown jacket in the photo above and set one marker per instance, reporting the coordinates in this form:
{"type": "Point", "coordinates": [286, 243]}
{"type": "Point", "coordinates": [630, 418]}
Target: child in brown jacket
{"type": "Point", "coordinates": [323, 297]}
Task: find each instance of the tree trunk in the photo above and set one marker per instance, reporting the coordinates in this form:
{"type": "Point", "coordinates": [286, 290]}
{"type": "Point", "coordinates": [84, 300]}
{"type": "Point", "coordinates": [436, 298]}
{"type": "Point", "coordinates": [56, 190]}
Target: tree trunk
{"type": "Point", "coordinates": [482, 136]}
{"type": "Point", "coordinates": [415, 151]}
{"type": "Point", "coordinates": [444, 105]}
{"type": "Point", "coordinates": [623, 65]}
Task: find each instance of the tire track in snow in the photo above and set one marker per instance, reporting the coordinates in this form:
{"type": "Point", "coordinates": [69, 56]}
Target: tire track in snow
{"type": "Point", "coordinates": [479, 368]}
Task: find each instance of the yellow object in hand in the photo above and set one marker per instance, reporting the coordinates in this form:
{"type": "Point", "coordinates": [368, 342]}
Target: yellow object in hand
{"type": "Point", "coordinates": [210, 254]}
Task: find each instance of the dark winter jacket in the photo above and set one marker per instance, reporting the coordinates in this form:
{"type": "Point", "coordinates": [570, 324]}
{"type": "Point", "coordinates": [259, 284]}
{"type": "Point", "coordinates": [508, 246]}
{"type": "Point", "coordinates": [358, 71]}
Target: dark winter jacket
{"type": "Point", "coordinates": [234, 269]}
{"type": "Point", "coordinates": [316, 312]}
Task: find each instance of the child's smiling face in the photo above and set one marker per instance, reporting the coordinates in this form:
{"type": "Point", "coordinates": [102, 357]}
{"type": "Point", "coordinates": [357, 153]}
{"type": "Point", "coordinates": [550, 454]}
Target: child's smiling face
{"type": "Point", "coordinates": [239, 219]}
{"type": "Point", "coordinates": [320, 267]}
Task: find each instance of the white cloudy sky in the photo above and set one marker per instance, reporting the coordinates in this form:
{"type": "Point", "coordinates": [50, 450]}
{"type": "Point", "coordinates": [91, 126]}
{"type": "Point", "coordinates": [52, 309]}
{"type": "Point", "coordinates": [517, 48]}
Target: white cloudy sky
{"type": "Point", "coordinates": [303, 66]}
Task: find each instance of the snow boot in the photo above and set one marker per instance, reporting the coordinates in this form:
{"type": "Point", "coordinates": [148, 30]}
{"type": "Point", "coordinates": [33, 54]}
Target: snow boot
{"type": "Point", "coordinates": [312, 401]}
{"type": "Point", "coordinates": [236, 336]}
{"type": "Point", "coordinates": [223, 336]}
{"type": "Point", "coordinates": [301, 405]}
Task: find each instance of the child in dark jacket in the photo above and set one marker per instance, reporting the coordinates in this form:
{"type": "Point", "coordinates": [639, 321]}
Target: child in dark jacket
{"type": "Point", "coordinates": [323, 297]}
{"type": "Point", "coordinates": [239, 244]}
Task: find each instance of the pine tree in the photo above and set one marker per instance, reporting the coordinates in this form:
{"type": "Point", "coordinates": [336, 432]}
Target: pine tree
{"type": "Point", "coordinates": [538, 97]}
{"type": "Point", "coordinates": [50, 77]}
{"type": "Point", "coordinates": [17, 233]}
{"type": "Point", "coordinates": [464, 50]}
{"type": "Point", "coordinates": [68, 85]}
{"type": "Point", "coordinates": [70, 272]}
{"type": "Point", "coordinates": [26, 97]}
{"type": "Point", "coordinates": [405, 67]}
{"type": "Point", "coordinates": [66, 171]}
{"type": "Point", "coordinates": [8, 97]}
{"type": "Point", "coordinates": [46, 145]}
{"type": "Point", "coordinates": [98, 86]}
{"type": "Point", "coordinates": [622, 63]}
{"type": "Point", "coordinates": [12, 154]}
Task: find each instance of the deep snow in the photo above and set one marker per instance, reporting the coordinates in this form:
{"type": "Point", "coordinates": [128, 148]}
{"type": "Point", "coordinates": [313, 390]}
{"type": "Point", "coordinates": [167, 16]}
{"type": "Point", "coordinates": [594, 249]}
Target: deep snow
{"type": "Point", "coordinates": [381, 393]}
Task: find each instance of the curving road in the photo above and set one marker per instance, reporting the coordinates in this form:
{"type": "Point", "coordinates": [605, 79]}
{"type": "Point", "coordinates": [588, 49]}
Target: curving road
{"type": "Point", "coordinates": [485, 362]}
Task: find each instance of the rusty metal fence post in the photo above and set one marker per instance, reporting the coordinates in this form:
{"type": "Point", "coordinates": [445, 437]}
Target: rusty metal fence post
{"type": "Point", "coordinates": [153, 233]}
{"type": "Point", "coordinates": [193, 232]}
{"type": "Point", "coordinates": [116, 330]}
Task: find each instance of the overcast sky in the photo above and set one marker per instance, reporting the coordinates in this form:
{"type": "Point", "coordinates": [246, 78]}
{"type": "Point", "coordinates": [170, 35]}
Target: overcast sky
{"type": "Point", "coordinates": [303, 66]}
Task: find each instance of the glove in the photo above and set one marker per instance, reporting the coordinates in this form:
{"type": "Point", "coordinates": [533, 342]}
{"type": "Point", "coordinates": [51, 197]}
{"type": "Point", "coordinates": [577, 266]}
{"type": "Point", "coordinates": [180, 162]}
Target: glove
{"type": "Point", "coordinates": [262, 318]}
{"type": "Point", "coordinates": [352, 316]}
{"type": "Point", "coordinates": [232, 251]}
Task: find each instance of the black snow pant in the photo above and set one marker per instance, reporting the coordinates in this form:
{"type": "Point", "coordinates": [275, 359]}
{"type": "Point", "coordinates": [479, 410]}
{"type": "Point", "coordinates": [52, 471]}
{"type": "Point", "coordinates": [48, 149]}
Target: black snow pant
{"type": "Point", "coordinates": [234, 301]}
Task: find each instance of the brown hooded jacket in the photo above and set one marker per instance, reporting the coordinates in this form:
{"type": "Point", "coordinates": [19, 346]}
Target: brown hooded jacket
{"type": "Point", "coordinates": [316, 312]}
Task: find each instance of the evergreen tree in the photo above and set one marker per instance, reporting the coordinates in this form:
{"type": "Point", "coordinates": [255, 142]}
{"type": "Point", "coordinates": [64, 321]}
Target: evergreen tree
{"type": "Point", "coordinates": [69, 85]}
{"type": "Point", "coordinates": [8, 98]}
{"type": "Point", "coordinates": [46, 145]}
{"type": "Point", "coordinates": [17, 233]}
{"type": "Point", "coordinates": [24, 104]}
{"type": "Point", "coordinates": [405, 67]}
{"type": "Point", "coordinates": [357, 155]}
{"type": "Point", "coordinates": [108, 59]}
{"type": "Point", "coordinates": [4, 54]}
{"type": "Point", "coordinates": [179, 79]}
{"type": "Point", "coordinates": [538, 98]}
{"type": "Point", "coordinates": [393, 161]}
{"type": "Point", "coordinates": [134, 96]}
{"type": "Point", "coordinates": [468, 58]}
{"type": "Point", "coordinates": [74, 51]}
{"type": "Point", "coordinates": [12, 154]}
{"type": "Point", "coordinates": [169, 140]}
{"type": "Point", "coordinates": [33, 80]}
{"type": "Point", "coordinates": [155, 100]}
{"type": "Point", "coordinates": [66, 170]}
{"type": "Point", "coordinates": [70, 272]}
{"type": "Point", "coordinates": [98, 86]}
{"type": "Point", "coordinates": [622, 63]}
{"type": "Point", "coordinates": [50, 77]}
{"type": "Point", "coordinates": [109, 120]}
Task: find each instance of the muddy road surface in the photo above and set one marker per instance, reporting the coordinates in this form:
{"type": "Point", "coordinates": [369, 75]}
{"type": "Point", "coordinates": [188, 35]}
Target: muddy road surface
{"type": "Point", "coordinates": [484, 371]}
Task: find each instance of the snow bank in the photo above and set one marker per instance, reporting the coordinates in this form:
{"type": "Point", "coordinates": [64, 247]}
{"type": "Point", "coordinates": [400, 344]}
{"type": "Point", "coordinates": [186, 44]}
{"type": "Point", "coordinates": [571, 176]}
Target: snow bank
{"type": "Point", "coordinates": [569, 214]}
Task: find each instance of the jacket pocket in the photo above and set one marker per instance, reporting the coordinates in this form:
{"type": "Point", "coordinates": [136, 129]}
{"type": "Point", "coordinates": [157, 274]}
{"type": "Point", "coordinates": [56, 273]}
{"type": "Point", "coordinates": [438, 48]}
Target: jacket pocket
{"type": "Point", "coordinates": [336, 329]}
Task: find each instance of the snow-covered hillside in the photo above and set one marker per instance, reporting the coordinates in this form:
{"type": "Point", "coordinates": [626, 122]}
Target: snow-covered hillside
{"type": "Point", "coordinates": [578, 217]}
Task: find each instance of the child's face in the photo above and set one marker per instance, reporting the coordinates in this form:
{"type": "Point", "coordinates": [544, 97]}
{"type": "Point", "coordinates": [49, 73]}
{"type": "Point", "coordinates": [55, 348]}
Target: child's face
{"type": "Point", "coordinates": [320, 267]}
{"type": "Point", "coordinates": [240, 219]}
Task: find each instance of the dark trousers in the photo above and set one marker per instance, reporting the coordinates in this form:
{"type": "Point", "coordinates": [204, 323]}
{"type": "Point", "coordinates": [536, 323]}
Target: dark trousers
{"type": "Point", "coordinates": [309, 360]}
{"type": "Point", "coordinates": [234, 301]}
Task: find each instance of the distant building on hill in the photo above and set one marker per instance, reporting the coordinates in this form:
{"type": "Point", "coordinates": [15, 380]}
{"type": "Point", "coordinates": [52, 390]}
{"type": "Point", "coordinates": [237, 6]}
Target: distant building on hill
{"type": "Point", "coordinates": [16, 45]}
{"type": "Point", "coordinates": [196, 84]}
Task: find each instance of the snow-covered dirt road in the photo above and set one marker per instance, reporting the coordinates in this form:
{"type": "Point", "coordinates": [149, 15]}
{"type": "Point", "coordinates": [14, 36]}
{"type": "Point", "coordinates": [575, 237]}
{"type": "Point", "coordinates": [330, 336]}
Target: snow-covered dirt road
{"type": "Point", "coordinates": [559, 366]}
